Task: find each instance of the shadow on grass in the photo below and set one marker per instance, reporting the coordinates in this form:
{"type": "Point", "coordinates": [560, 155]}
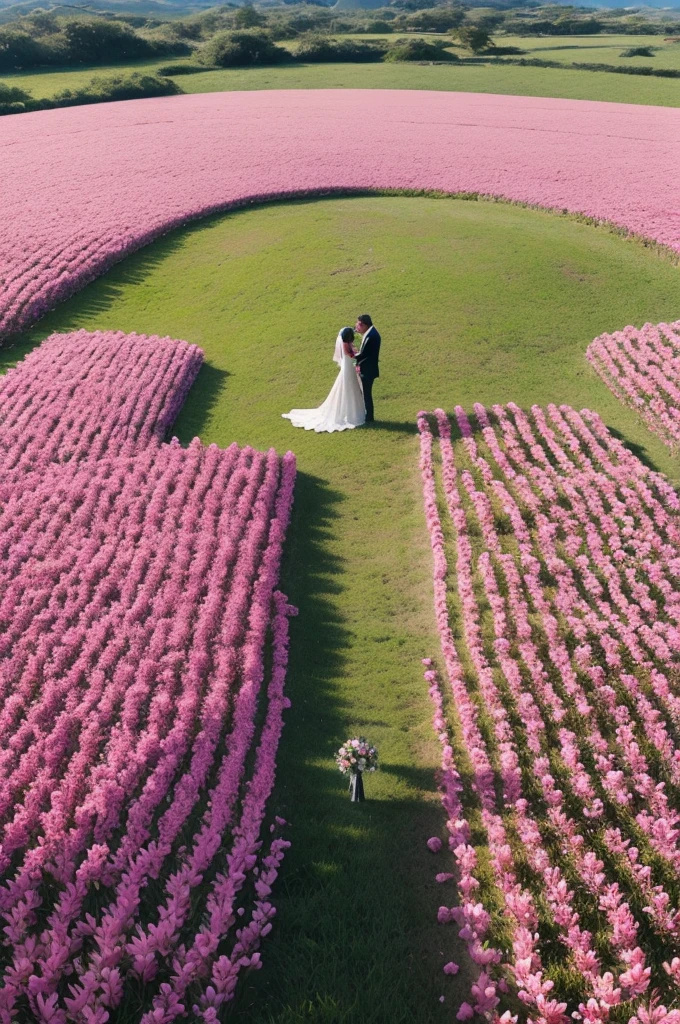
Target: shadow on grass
{"type": "Point", "coordinates": [394, 426]}
{"type": "Point", "coordinates": [344, 892]}
{"type": "Point", "coordinates": [638, 450]}
{"type": "Point", "coordinates": [203, 396]}
{"type": "Point", "coordinates": [112, 284]}
{"type": "Point", "coordinates": [342, 905]}
{"type": "Point", "coordinates": [419, 778]}
{"type": "Point", "coordinates": [11, 354]}
{"type": "Point", "coordinates": [97, 297]}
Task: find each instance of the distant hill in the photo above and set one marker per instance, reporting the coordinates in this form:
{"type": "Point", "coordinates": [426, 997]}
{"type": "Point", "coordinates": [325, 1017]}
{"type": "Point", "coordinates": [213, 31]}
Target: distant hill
{"type": "Point", "coordinates": [356, 5]}
{"type": "Point", "coordinates": [9, 10]}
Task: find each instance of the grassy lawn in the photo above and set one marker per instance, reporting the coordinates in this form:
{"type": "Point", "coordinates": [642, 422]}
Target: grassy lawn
{"type": "Point", "coordinates": [476, 301]}
{"type": "Point", "coordinates": [604, 49]}
{"type": "Point", "coordinates": [522, 81]}
{"type": "Point", "coordinates": [509, 80]}
{"type": "Point", "coordinates": [48, 81]}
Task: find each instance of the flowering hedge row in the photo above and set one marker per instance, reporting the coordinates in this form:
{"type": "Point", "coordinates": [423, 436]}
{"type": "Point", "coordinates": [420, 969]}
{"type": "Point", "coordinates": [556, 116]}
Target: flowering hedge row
{"type": "Point", "coordinates": [558, 607]}
{"type": "Point", "coordinates": [139, 711]}
{"type": "Point", "coordinates": [147, 166]}
{"type": "Point", "coordinates": [642, 368]}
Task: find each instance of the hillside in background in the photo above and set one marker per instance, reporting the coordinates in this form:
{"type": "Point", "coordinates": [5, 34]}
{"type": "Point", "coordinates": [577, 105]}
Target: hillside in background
{"type": "Point", "coordinates": [10, 10]}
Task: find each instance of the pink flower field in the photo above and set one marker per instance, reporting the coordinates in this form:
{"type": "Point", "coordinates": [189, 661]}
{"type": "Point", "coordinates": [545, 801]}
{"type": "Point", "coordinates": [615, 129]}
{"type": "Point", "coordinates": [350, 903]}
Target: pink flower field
{"type": "Point", "coordinates": [144, 640]}
{"type": "Point", "coordinates": [558, 607]}
{"type": "Point", "coordinates": [642, 368]}
{"type": "Point", "coordinates": [139, 712]}
{"type": "Point", "coordinates": [83, 187]}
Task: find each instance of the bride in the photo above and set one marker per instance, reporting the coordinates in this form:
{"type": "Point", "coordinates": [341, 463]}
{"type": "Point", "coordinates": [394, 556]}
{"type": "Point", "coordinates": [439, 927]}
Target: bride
{"type": "Point", "coordinates": [344, 407]}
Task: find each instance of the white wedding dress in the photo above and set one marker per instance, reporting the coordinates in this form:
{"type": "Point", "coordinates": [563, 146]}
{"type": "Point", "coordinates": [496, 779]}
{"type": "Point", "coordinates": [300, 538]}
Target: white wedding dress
{"type": "Point", "coordinates": [344, 407]}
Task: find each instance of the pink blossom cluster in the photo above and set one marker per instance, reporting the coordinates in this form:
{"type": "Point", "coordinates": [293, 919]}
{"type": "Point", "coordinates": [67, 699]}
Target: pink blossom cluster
{"type": "Point", "coordinates": [642, 368]}
{"type": "Point", "coordinates": [557, 600]}
{"type": "Point", "coordinates": [140, 712]}
{"type": "Point", "coordinates": [148, 166]}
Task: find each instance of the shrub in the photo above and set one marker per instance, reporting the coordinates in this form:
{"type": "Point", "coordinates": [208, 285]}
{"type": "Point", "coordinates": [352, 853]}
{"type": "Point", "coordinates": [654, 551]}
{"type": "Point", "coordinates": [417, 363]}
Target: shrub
{"type": "Point", "coordinates": [175, 32]}
{"type": "Point", "coordinates": [248, 17]}
{"type": "Point", "coordinates": [306, 20]}
{"type": "Point", "coordinates": [81, 41]}
{"type": "Point", "coordinates": [181, 69]}
{"type": "Point", "coordinates": [439, 19]}
{"type": "Point", "coordinates": [42, 23]}
{"type": "Point", "coordinates": [282, 30]}
{"type": "Point", "coordinates": [474, 38]}
{"type": "Point", "coordinates": [319, 49]}
{"type": "Point", "coordinates": [507, 51]}
{"type": "Point", "coordinates": [376, 27]}
{"type": "Point", "coordinates": [618, 69]}
{"type": "Point", "coordinates": [419, 49]}
{"type": "Point", "coordinates": [562, 26]}
{"type": "Point", "coordinates": [638, 51]}
{"type": "Point", "coordinates": [103, 88]}
{"type": "Point", "coordinates": [18, 49]}
{"type": "Point", "coordinates": [627, 69]}
{"type": "Point", "coordinates": [99, 41]}
{"type": "Point", "coordinates": [12, 100]}
{"type": "Point", "coordinates": [241, 49]}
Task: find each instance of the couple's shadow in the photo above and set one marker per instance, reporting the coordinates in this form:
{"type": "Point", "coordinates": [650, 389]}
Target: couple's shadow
{"type": "Point", "coordinates": [393, 426]}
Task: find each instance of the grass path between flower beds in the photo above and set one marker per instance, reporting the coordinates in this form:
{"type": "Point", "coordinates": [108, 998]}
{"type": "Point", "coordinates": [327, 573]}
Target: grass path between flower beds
{"type": "Point", "coordinates": [476, 301]}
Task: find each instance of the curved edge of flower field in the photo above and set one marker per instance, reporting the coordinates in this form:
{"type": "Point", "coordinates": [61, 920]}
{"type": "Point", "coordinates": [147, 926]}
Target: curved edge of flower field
{"type": "Point", "coordinates": [146, 167]}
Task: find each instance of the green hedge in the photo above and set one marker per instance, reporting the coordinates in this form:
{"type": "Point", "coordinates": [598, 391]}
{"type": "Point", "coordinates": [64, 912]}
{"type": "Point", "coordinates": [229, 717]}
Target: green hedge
{"type": "Point", "coordinates": [14, 101]}
{"type": "Point", "coordinates": [638, 51]}
{"type": "Point", "coordinates": [106, 88]}
{"type": "Point", "coordinates": [80, 41]}
{"type": "Point", "coordinates": [241, 49]}
{"type": "Point", "coordinates": [617, 69]}
{"type": "Point", "coordinates": [100, 89]}
{"type": "Point", "coordinates": [182, 69]}
{"type": "Point", "coordinates": [419, 50]}
{"type": "Point", "coordinates": [318, 49]}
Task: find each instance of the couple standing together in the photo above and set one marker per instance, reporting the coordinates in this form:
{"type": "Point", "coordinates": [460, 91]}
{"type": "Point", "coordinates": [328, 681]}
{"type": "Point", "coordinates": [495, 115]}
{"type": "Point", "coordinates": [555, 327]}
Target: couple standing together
{"type": "Point", "coordinates": [350, 402]}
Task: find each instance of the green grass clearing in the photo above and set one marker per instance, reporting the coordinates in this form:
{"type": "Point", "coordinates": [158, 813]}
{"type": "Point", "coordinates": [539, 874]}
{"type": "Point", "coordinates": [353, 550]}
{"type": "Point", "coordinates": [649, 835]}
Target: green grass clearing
{"type": "Point", "coordinates": [476, 301]}
{"type": "Point", "coordinates": [484, 78]}
{"type": "Point", "coordinates": [47, 82]}
{"type": "Point", "coordinates": [603, 49]}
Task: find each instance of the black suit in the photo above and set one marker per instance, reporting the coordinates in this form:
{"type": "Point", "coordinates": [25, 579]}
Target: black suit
{"type": "Point", "coordinates": [367, 361]}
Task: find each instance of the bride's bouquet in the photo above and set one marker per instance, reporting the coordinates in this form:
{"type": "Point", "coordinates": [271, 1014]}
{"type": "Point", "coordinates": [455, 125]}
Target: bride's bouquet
{"type": "Point", "coordinates": [356, 756]}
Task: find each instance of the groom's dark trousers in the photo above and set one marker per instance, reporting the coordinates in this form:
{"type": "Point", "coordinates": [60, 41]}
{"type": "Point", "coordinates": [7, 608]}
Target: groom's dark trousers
{"type": "Point", "coordinates": [367, 361]}
{"type": "Point", "coordinates": [367, 385]}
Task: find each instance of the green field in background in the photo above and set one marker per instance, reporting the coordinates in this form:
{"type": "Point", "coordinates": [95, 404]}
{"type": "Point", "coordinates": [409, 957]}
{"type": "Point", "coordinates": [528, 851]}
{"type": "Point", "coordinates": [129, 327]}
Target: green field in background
{"type": "Point", "coordinates": [469, 77]}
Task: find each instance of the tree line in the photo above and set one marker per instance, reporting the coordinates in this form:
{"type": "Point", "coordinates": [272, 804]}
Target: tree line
{"type": "Point", "coordinates": [216, 37]}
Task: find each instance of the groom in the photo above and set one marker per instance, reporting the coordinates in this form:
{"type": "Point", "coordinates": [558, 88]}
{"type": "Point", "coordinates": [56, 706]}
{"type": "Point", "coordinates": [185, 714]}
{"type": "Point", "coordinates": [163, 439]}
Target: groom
{"type": "Point", "coordinates": [367, 360]}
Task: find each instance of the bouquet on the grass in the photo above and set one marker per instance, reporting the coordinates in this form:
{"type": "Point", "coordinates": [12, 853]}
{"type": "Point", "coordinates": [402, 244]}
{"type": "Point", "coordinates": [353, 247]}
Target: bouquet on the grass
{"type": "Point", "coordinates": [356, 755]}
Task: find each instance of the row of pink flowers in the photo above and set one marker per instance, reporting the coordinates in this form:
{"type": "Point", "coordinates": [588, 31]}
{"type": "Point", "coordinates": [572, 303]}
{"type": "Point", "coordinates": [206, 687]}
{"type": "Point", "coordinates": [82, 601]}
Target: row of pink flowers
{"type": "Point", "coordinates": [642, 368]}
{"type": "Point", "coordinates": [139, 717]}
{"type": "Point", "coordinates": [563, 589]}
